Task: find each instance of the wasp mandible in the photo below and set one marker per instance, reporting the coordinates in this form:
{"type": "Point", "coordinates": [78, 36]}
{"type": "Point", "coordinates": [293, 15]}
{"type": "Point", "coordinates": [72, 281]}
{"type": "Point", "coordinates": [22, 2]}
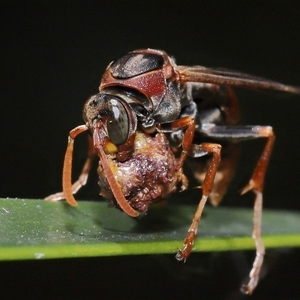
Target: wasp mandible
{"type": "Point", "coordinates": [149, 116]}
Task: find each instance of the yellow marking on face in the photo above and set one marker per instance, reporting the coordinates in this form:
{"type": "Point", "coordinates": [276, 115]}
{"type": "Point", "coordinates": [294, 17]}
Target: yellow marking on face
{"type": "Point", "coordinates": [110, 148]}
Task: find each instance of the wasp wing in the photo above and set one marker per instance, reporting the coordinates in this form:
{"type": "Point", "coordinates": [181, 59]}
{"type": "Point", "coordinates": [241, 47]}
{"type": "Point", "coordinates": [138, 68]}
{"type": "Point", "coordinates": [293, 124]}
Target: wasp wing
{"type": "Point", "coordinates": [231, 78]}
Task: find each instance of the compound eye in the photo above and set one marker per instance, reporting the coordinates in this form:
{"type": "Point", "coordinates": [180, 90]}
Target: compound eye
{"type": "Point", "coordinates": [118, 122]}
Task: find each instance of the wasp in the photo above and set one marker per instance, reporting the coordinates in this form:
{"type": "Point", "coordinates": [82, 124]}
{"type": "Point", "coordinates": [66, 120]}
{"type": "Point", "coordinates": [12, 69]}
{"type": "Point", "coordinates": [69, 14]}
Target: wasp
{"type": "Point", "coordinates": [150, 117]}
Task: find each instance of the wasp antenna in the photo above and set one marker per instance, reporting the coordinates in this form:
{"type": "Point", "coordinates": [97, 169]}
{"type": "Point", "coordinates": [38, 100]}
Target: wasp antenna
{"type": "Point", "coordinates": [67, 168]}
{"type": "Point", "coordinates": [124, 205]}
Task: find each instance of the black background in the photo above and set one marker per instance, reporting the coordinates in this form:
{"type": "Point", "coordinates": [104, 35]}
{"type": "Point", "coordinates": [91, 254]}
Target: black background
{"type": "Point", "coordinates": [52, 57]}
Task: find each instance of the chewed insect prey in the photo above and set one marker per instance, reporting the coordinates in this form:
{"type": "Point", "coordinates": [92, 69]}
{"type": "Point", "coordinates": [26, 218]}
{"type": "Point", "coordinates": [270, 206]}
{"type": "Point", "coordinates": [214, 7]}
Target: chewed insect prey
{"type": "Point", "coordinates": [151, 173]}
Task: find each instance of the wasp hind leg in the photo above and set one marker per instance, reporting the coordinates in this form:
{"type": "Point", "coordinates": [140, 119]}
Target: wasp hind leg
{"type": "Point", "coordinates": [256, 183]}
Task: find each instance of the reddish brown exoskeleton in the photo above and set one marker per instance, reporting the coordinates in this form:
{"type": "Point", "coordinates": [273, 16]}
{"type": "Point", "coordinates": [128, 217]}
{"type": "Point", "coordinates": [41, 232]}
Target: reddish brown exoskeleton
{"type": "Point", "coordinates": [147, 103]}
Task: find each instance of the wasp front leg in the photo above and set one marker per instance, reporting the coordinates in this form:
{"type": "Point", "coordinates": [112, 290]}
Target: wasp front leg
{"type": "Point", "coordinates": [187, 126]}
{"type": "Point", "coordinates": [202, 149]}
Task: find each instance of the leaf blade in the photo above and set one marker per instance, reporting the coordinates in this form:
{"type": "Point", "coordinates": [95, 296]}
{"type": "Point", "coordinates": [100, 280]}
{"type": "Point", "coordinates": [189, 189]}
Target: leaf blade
{"type": "Point", "coordinates": [37, 229]}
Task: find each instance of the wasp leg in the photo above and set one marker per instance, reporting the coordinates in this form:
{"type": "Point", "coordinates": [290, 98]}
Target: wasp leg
{"type": "Point", "coordinates": [202, 149]}
{"type": "Point", "coordinates": [83, 177]}
{"type": "Point", "coordinates": [255, 184]}
{"type": "Point", "coordinates": [225, 173]}
{"type": "Point", "coordinates": [187, 125]}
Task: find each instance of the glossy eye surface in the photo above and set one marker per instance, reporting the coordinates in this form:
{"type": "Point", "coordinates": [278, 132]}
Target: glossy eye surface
{"type": "Point", "coordinates": [118, 122]}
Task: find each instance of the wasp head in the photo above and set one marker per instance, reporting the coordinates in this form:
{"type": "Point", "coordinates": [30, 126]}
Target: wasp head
{"type": "Point", "coordinates": [114, 118]}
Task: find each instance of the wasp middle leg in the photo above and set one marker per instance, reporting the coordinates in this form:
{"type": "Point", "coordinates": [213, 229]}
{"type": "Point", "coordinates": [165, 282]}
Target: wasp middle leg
{"type": "Point", "coordinates": [202, 149]}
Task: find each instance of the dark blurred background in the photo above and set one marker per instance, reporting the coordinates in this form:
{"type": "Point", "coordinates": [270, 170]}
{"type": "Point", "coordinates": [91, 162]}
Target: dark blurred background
{"type": "Point", "coordinates": [53, 54]}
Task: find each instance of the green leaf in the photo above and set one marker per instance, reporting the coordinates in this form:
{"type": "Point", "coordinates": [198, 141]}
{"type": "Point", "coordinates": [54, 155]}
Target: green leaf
{"type": "Point", "coordinates": [36, 229]}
